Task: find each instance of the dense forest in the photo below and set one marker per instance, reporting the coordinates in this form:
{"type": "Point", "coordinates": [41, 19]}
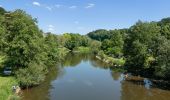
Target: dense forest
{"type": "Point", "coordinates": [141, 49]}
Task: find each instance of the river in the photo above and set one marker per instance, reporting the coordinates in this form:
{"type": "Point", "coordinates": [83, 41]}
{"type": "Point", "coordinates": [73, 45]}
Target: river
{"type": "Point", "coordinates": [83, 77]}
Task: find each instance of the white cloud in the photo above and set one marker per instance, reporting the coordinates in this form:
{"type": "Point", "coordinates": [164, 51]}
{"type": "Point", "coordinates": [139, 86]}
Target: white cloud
{"type": "Point", "coordinates": [0, 5]}
{"type": "Point", "coordinates": [90, 5]}
{"type": "Point", "coordinates": [36, 3]}
{"type": "Point", "coordinates": [51, 28]}
{"type": "Point", "coordinates": [58, 5]}
{"type": "Point", "coordinates": [49, 8]}
{"type": "Point", "coordinates": [73, 7]}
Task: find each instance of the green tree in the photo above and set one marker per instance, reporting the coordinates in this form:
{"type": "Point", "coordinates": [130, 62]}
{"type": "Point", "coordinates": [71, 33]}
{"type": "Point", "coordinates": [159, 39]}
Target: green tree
{"type": "Point", "coordinates": [139, 45]}
{"type": "Point", "coordinates": [162, 54]}
{"type": "Point", "coordinates": [51, 42]}
{"type": "Point", "coordinates": [22, 39]}
{"type": "Point", "coordinates": [99, 35]}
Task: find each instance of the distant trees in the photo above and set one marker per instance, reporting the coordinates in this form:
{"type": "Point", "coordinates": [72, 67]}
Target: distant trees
{"type": "Point", "coordinates": [99, 35]}
{"type": "Point", "coordinates": [72, 41]}
{"type": "Point", "coordinates": [2, 11]}
{"type": "Point", "coordinates": [112, 41]}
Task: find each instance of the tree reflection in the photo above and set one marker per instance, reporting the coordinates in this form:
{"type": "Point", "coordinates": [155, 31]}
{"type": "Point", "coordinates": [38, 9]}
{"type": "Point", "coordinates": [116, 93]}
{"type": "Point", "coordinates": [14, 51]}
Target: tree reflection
{"type": "Point", "coordinates": [73, 59]}
{"type": "Point", "coordinates": [115, 75]}
{"type": "Point", "coordinates": [43, 89]}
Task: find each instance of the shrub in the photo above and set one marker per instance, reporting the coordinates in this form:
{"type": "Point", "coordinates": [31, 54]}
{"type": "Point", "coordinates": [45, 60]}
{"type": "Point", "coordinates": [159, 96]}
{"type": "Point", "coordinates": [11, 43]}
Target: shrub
{"type": "Point", "coordinates": [31, 76]}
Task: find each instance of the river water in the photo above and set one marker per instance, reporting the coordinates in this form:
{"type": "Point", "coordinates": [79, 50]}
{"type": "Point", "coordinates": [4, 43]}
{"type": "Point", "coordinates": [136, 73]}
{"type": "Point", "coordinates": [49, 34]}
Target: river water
{"type": "Point", "coordinates": [83, 77]}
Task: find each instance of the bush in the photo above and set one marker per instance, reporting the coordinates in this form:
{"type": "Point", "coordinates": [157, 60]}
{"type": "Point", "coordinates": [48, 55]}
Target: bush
{"type": "Point", "coordinates": [111, 60]}
{"type": "Point", "coordinates": [31, 76]}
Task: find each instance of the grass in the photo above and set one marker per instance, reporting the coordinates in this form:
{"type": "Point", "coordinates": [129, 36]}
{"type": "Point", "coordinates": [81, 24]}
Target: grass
{"type": "Point", "coordinates": [111, 60]}
{"type": "Point", "coordinates": [82, 49]}
{"type": "Point", "coordinates": [6, 84]}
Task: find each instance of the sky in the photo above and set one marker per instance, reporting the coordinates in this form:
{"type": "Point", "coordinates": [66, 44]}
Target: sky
{"type": "Point", "coordinates": [83, 16]}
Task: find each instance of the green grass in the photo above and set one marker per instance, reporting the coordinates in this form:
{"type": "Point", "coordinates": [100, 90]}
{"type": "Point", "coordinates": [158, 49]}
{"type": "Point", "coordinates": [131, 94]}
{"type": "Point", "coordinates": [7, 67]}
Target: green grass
{"type": "Point", "coordinates": [111, 60]}
{"type": "Point", "coordinates": [6, 84]}
{"type": "Point", "coordinates": [82, 49]}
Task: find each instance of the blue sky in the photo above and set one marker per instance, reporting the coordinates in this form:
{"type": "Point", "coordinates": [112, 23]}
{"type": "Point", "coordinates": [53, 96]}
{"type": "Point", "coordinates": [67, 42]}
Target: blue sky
{"type": "Point", "coordinates": [83, 16]}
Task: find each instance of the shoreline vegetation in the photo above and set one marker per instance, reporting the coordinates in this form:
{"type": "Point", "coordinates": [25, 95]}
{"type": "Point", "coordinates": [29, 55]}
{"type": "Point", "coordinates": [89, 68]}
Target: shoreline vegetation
{"type": "Point", "coordinates": [114, 62]}
{"type": "Point", "coordinates": [142, 49]}
{"type": "Point", "coordinates": [6, 92]}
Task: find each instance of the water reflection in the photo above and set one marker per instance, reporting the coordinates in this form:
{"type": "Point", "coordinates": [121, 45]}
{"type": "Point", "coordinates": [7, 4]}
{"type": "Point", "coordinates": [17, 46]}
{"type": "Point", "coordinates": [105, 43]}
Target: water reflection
{"type": "Point", "coordinates": [83, 77]}
{"type": "Point", "coordinates": [41, 92]}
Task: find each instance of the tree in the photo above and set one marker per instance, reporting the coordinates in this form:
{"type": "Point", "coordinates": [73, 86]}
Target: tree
{"type": "Point", "coordinates": [22, 39]}
{"type": "Point", "coordinates": [51, 43]}
{"type": "Point", "coordinates": [99, 35]}
{"type": "Point", "coordinates": [2, 11]}
{"type": "Point", "coordinates": [162, 54]}
{"type": "Point", "coordinates": [113, 46]}
{"type": "Point", "coordinates": [165, 27]}
{"type": "Point", "coordinates": [31, 76]}
{"type": "Point", "coordinates": [139, 45]}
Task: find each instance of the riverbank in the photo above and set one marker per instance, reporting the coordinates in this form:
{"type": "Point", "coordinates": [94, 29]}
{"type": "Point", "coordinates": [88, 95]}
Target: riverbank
{"type": "Point", "coordinates": [82, 49]}
{"type": "Point", "coordinates": [6, 92]}
{"type": "Point", "coordinates": [117, 62]}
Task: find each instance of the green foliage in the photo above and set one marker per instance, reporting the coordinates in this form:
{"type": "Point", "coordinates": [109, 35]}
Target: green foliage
{"type": "Point", "coordinates": [2, 11]}
{"type": "Point", "coordinates": [145, 46]}
{"type": "Point", "coordinates": [114, 46]}
{"type": "Point", "coordinates": [20, 39]}
{"type": "Point", "coordinates": [162, 54]}
{"type": "Point", "coordinates": [31, 76]}
{"type": "Point", "coordinates": [99, 35]}
{"type": "Point", "coordinates": [139, 44]}
{"type": "Point", "coordinates": [51, 49]}
{"type": "Point", "coordinates": [82, 49]}
{"type": "Point", "coordinates": [75, 40]}
{"type": "Point", "coordinates": [62, 52]}
{"type": "Point", "coordinates": [27, 49]}
{"type": "Point", "coordinates": [95, 46]}
{"type": "Point", "coordinates": [110, 60]}
{"type": "Point", "coordinates": [6, 84]}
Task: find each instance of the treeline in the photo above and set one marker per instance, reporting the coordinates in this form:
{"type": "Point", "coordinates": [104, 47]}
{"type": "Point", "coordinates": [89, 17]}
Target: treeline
{"type": "Point", "coordinates": [29, 51]}
{"type": "Point", "coordinates": [145, 47]}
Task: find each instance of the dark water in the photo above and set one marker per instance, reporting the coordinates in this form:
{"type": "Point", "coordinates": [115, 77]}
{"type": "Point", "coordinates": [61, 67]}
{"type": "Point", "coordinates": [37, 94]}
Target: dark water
{"type": "Point", "coordinates": [83, 77]}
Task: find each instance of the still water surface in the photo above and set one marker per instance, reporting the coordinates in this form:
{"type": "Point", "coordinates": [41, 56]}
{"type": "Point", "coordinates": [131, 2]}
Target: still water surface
{"type": "Point", "coordinates": [83, 77]}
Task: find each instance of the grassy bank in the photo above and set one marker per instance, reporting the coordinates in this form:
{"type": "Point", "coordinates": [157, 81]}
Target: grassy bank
{"type": "Point", "coordinates": [82, 49]}
{"type": "Point", "coordinates": [6, 84]}
{"type": "Point", "coordinates": [110, 60]}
